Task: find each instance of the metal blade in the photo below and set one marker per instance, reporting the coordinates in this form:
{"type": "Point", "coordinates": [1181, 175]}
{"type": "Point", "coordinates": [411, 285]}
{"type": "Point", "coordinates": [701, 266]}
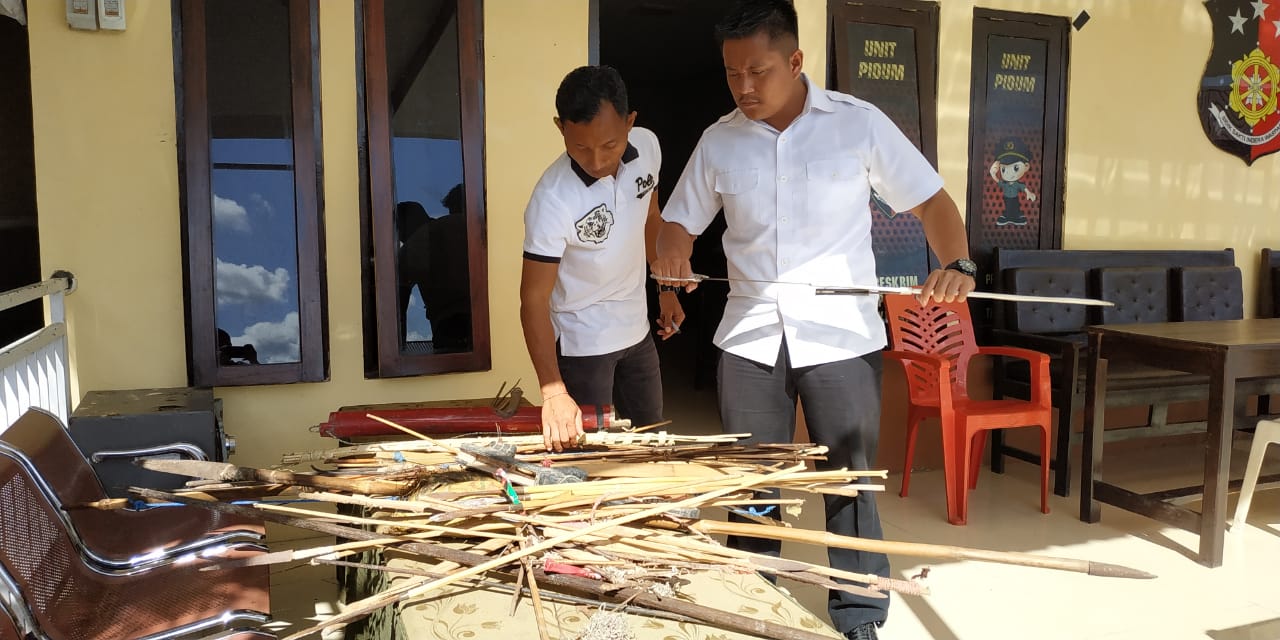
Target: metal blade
{"type": "Point", "coordinates": [871, 290]}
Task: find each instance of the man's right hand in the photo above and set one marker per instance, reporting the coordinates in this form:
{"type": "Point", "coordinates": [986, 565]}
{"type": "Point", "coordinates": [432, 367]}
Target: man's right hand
{"type": "Point", "coordinates": [671, 257]}
{"type": "Point", "coordinates": [561, 421]}
{"type": "Point", "coordinates": [663, 269]}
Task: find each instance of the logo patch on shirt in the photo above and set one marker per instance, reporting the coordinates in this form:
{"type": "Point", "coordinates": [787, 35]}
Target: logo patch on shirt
{"type": "Point", "coordinates": [595, 226]}
{"type": "Point", "coordinates": [644, 185]}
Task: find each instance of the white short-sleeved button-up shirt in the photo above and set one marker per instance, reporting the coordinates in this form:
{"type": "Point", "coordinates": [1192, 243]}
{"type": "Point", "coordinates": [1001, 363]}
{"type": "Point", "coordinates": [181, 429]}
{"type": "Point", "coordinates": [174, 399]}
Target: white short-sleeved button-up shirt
{"type": "Point", "coordinates": [796, 204]}
{"type": "Point", "coordinates": [594, 228]}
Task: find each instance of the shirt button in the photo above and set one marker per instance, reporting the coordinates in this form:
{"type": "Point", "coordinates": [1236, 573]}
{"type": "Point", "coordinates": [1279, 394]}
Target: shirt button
{"type": "Point", "coordinates": [785, 262]}
{"type": "Point", "coordinates": [782, 179]}
{"type": "Point", "coordinates": [782, 139]}
{"type": "Point", "coordinates": [784, 219]}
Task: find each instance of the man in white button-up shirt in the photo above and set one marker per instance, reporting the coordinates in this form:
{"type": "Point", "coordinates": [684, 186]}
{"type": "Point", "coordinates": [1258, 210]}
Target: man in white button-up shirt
{"type": "Point", "coordinates": [590, 230]}
{"type": "Point", "coordinates": [793, 167]}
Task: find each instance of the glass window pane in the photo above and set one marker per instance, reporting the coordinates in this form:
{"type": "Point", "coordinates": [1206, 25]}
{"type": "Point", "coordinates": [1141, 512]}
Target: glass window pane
{"type": "Point", "coordinates": [431, 217]}
{"type": "Point", "coordinates": [254, 213]}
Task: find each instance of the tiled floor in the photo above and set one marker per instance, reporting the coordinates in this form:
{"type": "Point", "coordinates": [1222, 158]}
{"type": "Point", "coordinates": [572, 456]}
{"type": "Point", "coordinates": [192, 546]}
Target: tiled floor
{"type": "Point", "coordinates": [971, 600]}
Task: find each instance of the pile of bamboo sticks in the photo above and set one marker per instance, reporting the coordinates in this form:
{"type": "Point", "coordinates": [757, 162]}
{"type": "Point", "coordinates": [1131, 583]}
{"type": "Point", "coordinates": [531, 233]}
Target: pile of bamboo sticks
{"type": "Point", "coordinates": [618, 521]}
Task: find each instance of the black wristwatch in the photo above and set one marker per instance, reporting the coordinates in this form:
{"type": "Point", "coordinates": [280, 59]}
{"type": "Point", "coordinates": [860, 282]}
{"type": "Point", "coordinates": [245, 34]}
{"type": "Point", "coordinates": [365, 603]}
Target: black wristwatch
{"type": "Point", "coordinates": [965, 266]}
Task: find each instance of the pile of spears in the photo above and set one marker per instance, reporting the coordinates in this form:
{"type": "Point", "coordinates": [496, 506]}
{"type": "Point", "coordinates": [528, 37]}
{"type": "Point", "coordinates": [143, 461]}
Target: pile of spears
{"type": "Point", "coordinates": [617, 521]}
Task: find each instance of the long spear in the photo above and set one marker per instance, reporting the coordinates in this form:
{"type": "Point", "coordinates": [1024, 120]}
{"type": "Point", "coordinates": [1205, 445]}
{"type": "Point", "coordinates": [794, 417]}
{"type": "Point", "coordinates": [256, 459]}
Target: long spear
{"type": "Point", "coordinates": [916, 549]}
{"type": "Point", "coordinates": [226, 472]}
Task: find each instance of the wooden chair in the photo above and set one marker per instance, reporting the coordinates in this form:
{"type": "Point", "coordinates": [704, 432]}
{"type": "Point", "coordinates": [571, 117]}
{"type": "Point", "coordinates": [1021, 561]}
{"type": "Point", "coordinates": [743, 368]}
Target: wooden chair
{"type": "Point", "coordinates": [934, 344]}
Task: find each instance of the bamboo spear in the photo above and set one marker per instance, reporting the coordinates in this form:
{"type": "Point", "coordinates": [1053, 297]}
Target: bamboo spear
{"type": "Point", "coordinates": [917, 549]}
{"type": "Point", "coordinates": [231, 473]}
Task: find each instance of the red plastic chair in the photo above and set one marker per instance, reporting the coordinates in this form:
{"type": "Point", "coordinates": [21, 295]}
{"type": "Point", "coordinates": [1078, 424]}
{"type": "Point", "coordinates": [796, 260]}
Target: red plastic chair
{"type": "Point", "coordinates": [935, 343]}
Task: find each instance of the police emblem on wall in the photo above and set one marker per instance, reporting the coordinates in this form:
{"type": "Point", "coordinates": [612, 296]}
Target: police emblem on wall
{"type": "Point", "coordinates": [1238, 93]}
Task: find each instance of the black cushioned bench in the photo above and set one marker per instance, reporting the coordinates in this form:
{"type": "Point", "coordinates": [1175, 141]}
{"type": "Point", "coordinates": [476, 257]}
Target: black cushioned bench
{"type": "Point", "coordinates": [1146, 286]}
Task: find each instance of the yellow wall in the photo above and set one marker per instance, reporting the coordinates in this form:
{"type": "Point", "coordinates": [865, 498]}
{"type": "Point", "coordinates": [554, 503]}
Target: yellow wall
{"type": "Point", "coordinates": [1140, 174]}
{"type": "Point", "coordinates": [108, 201]}
{"type": "Point", "coordinates": [107, 192]}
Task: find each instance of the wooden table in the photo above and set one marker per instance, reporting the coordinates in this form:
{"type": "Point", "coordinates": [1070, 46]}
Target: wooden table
{"type": "Point", "coordinates": [1228, 352]}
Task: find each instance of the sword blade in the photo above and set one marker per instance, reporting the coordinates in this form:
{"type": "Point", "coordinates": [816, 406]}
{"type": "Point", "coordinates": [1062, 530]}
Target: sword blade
{"type": "Point", "coordinates": [981, 295]}
{"type": "Point", "coordinates": [870, 290]}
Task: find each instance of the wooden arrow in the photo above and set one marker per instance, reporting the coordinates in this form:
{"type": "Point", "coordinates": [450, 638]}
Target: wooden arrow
{"type": "Point", "coordinates": [231, 473]}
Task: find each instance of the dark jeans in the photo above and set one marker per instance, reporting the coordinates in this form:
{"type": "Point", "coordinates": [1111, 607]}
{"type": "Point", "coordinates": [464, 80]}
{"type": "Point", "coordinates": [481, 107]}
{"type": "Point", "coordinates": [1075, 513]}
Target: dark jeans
{"type": "Point", "coordinates": [628, 379]}
{"type": "Point", "coordinates": [842, 410]}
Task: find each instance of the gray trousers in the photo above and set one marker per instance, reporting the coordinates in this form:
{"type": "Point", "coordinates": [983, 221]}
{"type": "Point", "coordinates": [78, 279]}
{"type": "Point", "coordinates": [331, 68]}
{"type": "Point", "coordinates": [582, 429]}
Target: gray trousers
{"type": "Point", "coordinates": [842, 411]}
{"type": "Point", "coordinates": [628, 379]}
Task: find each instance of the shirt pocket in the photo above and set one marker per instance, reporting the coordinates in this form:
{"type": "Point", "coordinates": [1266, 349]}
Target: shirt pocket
{"type": "Point", "coordinates": [835, 184]}
{"type": "Point", "coordinates": [737, 189]}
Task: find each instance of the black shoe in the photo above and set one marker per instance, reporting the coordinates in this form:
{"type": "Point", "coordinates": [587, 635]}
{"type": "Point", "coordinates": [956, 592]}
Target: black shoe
{"type": "Point", "coordinates": [864, 631]}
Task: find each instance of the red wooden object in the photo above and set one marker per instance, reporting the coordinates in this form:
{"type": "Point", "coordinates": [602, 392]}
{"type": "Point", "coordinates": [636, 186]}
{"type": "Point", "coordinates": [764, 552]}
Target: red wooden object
{"type": "Point", "coordinates": [934, 343]}
{"type": "Point", "coordinates": [450, 420]}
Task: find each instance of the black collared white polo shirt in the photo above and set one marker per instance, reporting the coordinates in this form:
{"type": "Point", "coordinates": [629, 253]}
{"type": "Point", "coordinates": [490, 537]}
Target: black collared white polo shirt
{"type": "Point", "coordinates": [595, 230]}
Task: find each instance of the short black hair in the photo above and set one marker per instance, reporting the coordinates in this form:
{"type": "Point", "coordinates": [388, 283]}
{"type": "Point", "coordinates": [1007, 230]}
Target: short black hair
{"type": "Point", "coordinates": [777, 18]}
{"type": "Point", "coordinates": [583, 89]}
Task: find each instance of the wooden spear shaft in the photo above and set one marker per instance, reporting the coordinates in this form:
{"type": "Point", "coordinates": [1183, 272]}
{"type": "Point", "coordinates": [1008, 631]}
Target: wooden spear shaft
{"type": "Point", "coordinates": [231, 473]}
{"type": "Point", "coordinates": [917, 549]}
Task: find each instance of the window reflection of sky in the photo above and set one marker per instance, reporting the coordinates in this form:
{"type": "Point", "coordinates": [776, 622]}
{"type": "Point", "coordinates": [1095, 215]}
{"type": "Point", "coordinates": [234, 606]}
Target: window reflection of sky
{"type": "Point", "coordinates": [255, 246]}
{"type": "Point", "coordinates": [425, 170]}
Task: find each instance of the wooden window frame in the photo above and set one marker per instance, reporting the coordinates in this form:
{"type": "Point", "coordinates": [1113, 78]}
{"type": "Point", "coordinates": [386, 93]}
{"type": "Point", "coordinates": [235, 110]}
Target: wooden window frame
{"type": "Point", "coordinates": [921, 15]}
{"type": "Point", "coordinates": [384, 356]}
{"type": "Point", "coordinates": [1055, 31]}
{"type": "Point", "coordinates": [195, 193]}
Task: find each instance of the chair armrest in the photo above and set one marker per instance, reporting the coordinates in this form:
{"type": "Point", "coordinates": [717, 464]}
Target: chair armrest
{"type": "Point", "coordinates": [1036, 358]}
{"type": "Point", "coordinates": [1041, 385]}
{"type": "Point", "coordinates": [938, 362]}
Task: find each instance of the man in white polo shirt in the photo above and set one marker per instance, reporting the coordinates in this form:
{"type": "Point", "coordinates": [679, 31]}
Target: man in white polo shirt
{"type": "Point", "coordinates": [590, 229]}
{"type": "Point", "coordinates": [793, 167]}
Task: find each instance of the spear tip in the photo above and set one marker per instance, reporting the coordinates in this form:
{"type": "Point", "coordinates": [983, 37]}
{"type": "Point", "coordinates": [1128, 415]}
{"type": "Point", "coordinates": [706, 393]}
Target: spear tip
{"type": "Point", "coordinates": [1108, 570]}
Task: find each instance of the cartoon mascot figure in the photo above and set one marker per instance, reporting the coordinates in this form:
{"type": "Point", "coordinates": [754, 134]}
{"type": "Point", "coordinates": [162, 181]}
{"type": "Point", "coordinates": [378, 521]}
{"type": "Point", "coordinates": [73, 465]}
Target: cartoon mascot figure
{"type": "Point", "coordinates": [1013, 160]}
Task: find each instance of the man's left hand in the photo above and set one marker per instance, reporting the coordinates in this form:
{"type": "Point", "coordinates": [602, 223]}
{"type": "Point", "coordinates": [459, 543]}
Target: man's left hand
{"type": "Point", "coordinates": [671, 314]}
{"type": "Point", "coordinates": [945, 285]}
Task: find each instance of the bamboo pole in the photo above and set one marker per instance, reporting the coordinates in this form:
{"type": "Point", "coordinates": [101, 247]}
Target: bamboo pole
{"type": "Point", "coordinates": [535, 595]}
